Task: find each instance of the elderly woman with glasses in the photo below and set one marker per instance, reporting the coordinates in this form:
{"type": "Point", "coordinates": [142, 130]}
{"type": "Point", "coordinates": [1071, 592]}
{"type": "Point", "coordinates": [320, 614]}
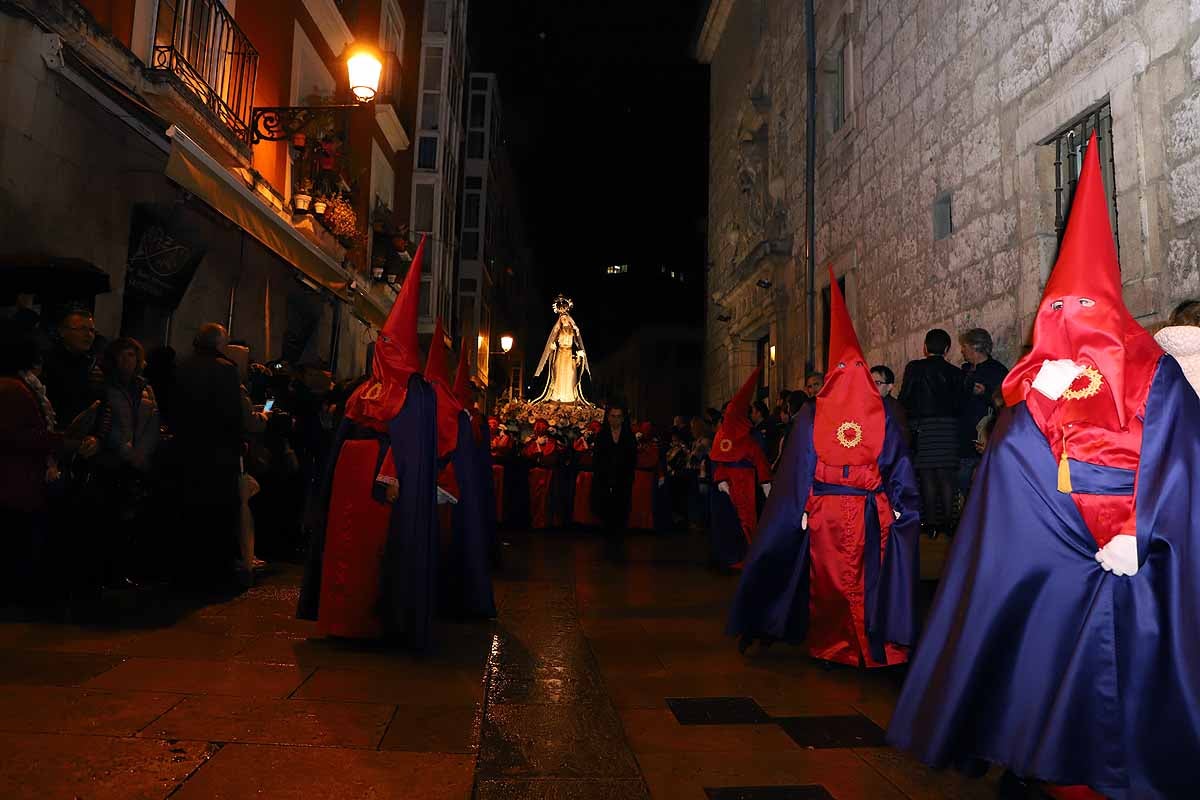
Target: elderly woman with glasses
{"type": "Point", "coordinates": [885, 381]}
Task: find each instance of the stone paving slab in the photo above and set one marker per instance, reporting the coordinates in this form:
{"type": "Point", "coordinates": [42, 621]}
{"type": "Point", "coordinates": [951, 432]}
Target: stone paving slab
{"type": "Point", "coordinates": [242, 771]}
{"type": "Point", "coordinates": [435, 729]}
{"type": "Point", "coordinates": [53, 669]}
{"type": "Point", "coordinates": [660, 732]}
{"type": "Point", "coordinates": [401, 684]}
{"type": "Point", "coordinates": [261, 721]}
{"type": "Point", "coordinates": [47, 709]}
{"type": "Point", "coordinates": [45, 766]}
{"type": "Point", "coordinates": [185, 676]}
{"type": "Point", "coordinates": [560, 790]}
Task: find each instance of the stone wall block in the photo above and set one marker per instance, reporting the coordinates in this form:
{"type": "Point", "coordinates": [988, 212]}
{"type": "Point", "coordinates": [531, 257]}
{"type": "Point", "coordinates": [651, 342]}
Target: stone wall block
{"type": "Point", "coordinates": [1165, 22]}
{"type": "Point", "coordinates": [1025, 64]}
{"type": "Point", "coordinates": [1070, 26]}
{"type": "Point", "coordinates": [1183, 140]}
{"type": "Point", "coordinates": [1182, 272]}
{"type": "Point", "coordinates": [1185, 192]}
{"type": "Point", "coordinates": [1032, 10]}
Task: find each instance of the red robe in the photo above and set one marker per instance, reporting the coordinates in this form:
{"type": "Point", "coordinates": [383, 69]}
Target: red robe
{"type": "Point", "coordinates": [645, 482]}
{"type": "Point", "coordinates": [502, 449]}
{"type": "Point", "coordinates": [837, 621]}
{"type": "Point", "coordinates": [581, 512]}
{"type": "Point", "coordinates": [744, 479]}
{"type": "Point", "coordinates": [543, 460]}
{"type": "Point", "coordinates": [355, 537]}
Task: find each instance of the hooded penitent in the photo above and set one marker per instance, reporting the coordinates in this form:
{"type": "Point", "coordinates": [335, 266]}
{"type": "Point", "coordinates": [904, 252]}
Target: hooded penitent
{"type": "Point", "coordinates": [1083, 316]}
{"type": "Point", "coordinates": [733, 441]}
{"type": "Point", "coordinates": [834, 562]}
{"type": "Point", "coordinates": [850, 424]}
{"type": "Point", "coordinates": [449, 406]}
{"type": "Point", "coordinates": [1062, 642]}
{"type": "Point", "coordinates": [376, 402]}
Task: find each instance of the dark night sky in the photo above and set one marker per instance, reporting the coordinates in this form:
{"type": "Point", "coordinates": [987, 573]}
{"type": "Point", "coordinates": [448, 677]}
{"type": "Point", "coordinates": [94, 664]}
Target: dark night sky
{"type": "Point", "coordinates": [606, 115]}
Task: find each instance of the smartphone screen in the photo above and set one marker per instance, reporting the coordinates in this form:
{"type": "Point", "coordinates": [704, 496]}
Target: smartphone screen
{"type": "Point", "coordinates": [268, 405]}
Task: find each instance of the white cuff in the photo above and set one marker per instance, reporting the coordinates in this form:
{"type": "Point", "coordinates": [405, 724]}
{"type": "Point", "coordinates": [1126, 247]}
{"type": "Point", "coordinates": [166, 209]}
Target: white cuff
{"type": "Point", "coordinates": [766, 489]}
{"type": "Point", "coordinates": [386, 480]}
{"type": "Point", "coordinates": [723, 486]}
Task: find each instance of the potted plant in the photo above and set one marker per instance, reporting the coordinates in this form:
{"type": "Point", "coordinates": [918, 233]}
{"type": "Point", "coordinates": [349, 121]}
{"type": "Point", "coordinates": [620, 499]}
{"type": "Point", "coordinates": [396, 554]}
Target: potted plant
{"type": "Point", "coordinates": [302, 198]}
{"type": "Point", "coordinates": [319, 205]}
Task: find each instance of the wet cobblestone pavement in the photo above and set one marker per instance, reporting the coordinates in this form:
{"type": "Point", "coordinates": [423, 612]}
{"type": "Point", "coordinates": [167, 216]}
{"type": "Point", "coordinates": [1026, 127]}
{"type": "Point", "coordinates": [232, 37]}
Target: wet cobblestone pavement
{"type": "Point", "coordinates": [606, 677]}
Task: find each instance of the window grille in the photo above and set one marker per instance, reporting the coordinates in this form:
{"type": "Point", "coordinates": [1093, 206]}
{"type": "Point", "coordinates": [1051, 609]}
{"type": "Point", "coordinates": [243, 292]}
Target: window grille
{"type": "Point", "coordinates": [1069, 147]}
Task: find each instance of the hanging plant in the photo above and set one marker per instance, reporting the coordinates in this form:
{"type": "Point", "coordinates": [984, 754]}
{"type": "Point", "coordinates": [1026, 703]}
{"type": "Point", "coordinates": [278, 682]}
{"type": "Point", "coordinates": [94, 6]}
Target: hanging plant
{"type": "Point", "coordinates": [340, 218]}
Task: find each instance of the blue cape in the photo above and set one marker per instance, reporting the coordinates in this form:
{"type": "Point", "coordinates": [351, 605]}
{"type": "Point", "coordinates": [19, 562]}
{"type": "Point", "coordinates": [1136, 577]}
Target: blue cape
{"type": "Point", "coordinates": [410, 557]}
{"type": "Point", "coordinates": [469, 572]}
{"type": "Point", "coordinates": [772, 596]}
{"type": "Point", "coordinates": [1034, 656]}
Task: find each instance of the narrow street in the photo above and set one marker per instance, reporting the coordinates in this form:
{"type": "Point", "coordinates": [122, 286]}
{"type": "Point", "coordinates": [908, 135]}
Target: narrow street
{"type": "Point", "coordinates": [606, 676]}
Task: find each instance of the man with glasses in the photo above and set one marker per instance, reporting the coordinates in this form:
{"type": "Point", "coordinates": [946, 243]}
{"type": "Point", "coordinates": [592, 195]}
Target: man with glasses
{"type": "Point", "coordinates": [72, 378]}
{"type": "Point", "coordinates": [885, 381]}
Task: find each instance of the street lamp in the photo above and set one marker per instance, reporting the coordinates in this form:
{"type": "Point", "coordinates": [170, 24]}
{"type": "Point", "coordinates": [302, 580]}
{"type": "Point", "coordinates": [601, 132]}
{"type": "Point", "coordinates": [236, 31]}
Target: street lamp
{"type": "Point", "coordinates": [506, 342]}
{"type": "Point", "coordinates": [277, 123]}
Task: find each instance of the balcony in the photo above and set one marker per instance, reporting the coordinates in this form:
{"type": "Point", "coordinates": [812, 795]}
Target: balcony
{"type": "Point", "coordinates": [200, 47]}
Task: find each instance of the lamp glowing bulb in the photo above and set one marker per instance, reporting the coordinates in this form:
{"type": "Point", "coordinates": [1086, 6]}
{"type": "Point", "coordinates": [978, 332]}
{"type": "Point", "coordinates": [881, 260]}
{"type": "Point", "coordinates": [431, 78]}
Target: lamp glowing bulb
{"type": "Point", "coordinates": [364, 69]}
{"type": "Point", "coordinates": [506, 343]}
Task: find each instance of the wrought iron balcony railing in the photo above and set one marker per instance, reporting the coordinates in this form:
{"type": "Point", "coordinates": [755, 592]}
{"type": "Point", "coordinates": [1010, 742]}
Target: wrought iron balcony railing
{"type": "Point", "coordinates": [199, 44]}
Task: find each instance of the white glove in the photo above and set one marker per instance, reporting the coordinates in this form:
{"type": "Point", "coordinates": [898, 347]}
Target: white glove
{"type": "Point", "coordinates": [1055, 377]}
{"type": "Point", "coordinates": [766, 489]}
{"type": "Point", "coordinates": [661, 481]}
{"type": "Point", "coordinates": [723, 486]}
{"type": "Point", "coordinates": [897, 513]}
{"type": "Point", "coordinates": [1119, 556]}
{"type": "Point", "coordinates": [804, 521]}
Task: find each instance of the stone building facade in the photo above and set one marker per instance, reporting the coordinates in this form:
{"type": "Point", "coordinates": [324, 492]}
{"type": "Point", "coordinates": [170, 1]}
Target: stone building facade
{"type": "Point", "coordinates": [947, 136]}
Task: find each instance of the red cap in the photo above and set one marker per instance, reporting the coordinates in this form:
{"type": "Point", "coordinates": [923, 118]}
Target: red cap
{"type": "Point", "coordinates": [733, 441]}
{"type": "Point", "coordinates": [1102, 334]}
{"type": "Point", "coordinates": [447, 404]}
{"type": "Point", "coordinates": [849, 425]}
{"type": "Point", "coordinates": [377, 401]}
{"type": "Point", "coordinates": [594, 427]}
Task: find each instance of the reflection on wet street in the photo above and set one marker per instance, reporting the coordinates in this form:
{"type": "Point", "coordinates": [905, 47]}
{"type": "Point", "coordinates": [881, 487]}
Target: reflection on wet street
{"type": "Point", "coordinates": [607, 675]}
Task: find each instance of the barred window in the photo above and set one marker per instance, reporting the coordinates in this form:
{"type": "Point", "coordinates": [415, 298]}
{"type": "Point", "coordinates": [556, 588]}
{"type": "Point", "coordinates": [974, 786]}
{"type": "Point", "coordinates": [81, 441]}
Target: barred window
{"type": "Point", "coordinates": [1069, 147]}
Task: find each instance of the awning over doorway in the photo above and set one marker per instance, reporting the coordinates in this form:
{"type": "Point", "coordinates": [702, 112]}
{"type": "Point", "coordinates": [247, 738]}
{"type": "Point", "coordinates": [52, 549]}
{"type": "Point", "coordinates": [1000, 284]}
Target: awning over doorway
{"type": "Point", "coordinates": [51, 275]}
{"type": "Point", "coordinates": [195, 170]}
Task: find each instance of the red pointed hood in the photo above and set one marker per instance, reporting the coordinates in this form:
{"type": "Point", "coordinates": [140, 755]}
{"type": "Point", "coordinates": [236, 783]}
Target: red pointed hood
{"type": "Point", "coordinates": [448, 406]}
{"type": "Point", "coordinates": [1102, 333]}
{"type": "Point", "coordinates": [377, 401]}
{"type": "Point", "coordinates": [732, 441]}
{"type": "Point", "coordinates": [850, 424]}
{"type": "Point", "coordinates": [462, 377]}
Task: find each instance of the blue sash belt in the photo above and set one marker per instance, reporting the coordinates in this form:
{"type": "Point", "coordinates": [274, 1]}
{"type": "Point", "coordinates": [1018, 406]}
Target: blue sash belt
{"type": "Point", "coordinates": [872, 557]}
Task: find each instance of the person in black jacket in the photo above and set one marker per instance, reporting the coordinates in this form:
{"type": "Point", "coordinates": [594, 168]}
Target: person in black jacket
{"type": "Point", "coordinates": [932, 396]}
{"type": "Point", "coordinates": [614, 462]}
{"type": "Point", "coordinates": [207, 418]}
{"type": "Point", "coordinates": [982, 375]}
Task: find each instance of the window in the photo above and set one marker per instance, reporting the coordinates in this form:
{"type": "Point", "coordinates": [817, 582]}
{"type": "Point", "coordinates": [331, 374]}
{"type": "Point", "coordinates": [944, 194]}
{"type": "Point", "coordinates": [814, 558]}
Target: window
{"type": "Point", "coordinates": [618, 269]}
{"type": "Point", "coordinates": [1069, 147]}
{"type": "Point", "coordinates": [478, 110]}
{"type": "Point", "coordinates": [425, 301]}
{"type": "Point", "coordinates": [471, 209]}
{"type": "Point", "coordinates": [470, 246]}
{"type": "Point", "coordinates": [430, 108]}
{"type": "Point", "coordinates": [423, 207]}
{"type": "Point", "coordinates": [826, 301]}
{"type": "Point", "coordinates": [436, 20]}
{"type": "Point", "coordinates": [475, 144]}
{"type": "Point", "coordinates": [391, 35]}
{"type": "Point", "coordinates": [479, 82]}
{"type": "Point", "coordinates": [427, 152]}
{"type": "Point", "coordinates": [762, 357]}
{"type": "Point", "coordinates": [474, 182]}
{"type": "Point", "coordinates": [943, 216]}
{"type": "Point", "coordinates": [833, 90]}
{"type": "Point", "coordinates": [433, 70]}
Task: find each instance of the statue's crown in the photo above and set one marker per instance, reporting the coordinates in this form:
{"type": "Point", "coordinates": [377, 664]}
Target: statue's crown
{"type": "Point", "coordinates": [562, 304]}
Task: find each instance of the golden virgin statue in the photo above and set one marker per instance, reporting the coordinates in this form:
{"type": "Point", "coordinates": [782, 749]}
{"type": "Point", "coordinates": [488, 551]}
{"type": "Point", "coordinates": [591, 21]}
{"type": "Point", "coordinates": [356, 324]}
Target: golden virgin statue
{"type": "Point", "coordinates": [564, 357]}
